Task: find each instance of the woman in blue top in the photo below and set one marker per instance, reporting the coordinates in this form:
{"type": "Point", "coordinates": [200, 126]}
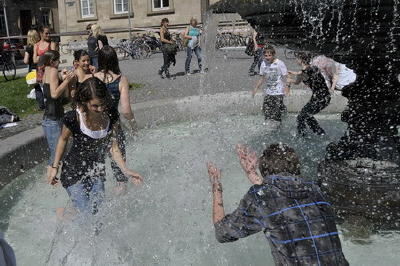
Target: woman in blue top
{"type": "Point", "coordinates": [192, 33]}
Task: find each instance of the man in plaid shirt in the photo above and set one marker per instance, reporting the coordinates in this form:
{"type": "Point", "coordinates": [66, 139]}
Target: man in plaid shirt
{"type": "Point", "coordinates": [294, 215]}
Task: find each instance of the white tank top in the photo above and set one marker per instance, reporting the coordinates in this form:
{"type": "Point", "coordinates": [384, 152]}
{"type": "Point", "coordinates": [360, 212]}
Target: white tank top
{"type": "Point", "coordinates": [98, 134]}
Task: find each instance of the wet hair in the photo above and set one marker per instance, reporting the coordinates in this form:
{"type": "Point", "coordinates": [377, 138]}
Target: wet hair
{"type": "Point", "coordinates": [80, 53]}
{"type": "Point", "coordinates": [304, 57]}
{"type": "Point", "coordinates": [279, 158]}
{"type": "Point", "coordinates": [269, 49]}
{"type": "Point", "coordinates": [164, 20]}
{"type": "Point", "coordinates": [49, 57]}
{"type": "Point", "coordinates": [90, 89]}
{"type": "Point", "coordinates": [108, 60]}
{"type": "Point", "coordinates": [32, 37]}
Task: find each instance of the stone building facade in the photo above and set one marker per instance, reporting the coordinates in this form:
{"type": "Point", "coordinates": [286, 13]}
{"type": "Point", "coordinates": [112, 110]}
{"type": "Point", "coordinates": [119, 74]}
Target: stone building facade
{"type": "Point", "coordinates": [114, 15]}
{"type": "Point", "coordinates": [23, 14]}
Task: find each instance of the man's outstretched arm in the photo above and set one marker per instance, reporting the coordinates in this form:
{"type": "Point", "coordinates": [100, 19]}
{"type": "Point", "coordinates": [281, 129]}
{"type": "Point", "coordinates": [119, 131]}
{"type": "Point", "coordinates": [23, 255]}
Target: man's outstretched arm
{"type": "Point", "coordinates": [218, 205]}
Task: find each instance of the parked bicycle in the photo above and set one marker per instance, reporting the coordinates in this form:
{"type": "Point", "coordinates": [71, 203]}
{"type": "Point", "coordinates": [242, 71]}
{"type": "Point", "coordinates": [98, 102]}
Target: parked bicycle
{"type": "Point", "coordinates": [136, 48]}
{"type": "Point", "coordinates": [9, 68]}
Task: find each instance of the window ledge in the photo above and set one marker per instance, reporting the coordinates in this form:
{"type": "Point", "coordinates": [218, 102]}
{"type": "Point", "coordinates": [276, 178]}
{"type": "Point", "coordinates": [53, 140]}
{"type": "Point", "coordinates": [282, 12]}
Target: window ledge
{"type": "Point", "coordinates": [121, 16]}
{"type": "Point", "coordinates": [161, 12]}
{"type": "Point", "coordinates": [87, 19]}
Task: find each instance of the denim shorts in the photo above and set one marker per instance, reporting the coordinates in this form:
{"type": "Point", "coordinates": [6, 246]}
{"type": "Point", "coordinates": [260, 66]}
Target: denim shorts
{"type": "Point", "coordinates": [86, 198]}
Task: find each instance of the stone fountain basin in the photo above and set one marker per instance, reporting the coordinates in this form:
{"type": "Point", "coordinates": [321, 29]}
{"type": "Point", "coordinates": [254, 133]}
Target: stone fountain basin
{"type": "Point", "coordinates": [27, 149]}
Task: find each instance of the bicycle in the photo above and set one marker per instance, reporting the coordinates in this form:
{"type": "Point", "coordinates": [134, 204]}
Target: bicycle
{"type": "Point", "coordinates": [137, 49]}
{"type": "Point", "coordinates": [9, 68]}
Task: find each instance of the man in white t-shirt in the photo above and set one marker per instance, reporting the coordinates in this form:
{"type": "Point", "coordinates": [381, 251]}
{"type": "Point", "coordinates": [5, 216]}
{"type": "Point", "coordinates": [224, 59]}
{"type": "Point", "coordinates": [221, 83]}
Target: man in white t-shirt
{"type": "Point", "coordinates": [273, 75]}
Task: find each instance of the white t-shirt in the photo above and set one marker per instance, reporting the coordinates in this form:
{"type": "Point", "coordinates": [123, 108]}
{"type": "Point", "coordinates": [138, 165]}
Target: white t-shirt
{"type": "Point", "coordinates": [274, 76]}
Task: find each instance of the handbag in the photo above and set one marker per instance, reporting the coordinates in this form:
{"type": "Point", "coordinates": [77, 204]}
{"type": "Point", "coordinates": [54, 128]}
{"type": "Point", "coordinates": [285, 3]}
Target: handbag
{"type": "Point", "coordinates": [171, 48]}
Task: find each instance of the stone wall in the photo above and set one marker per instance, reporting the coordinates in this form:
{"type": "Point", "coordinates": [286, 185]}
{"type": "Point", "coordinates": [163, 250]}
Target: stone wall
{"type": "Point", "coordinates": [36, 8]}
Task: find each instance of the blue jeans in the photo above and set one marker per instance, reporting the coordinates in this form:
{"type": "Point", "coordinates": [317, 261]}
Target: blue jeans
{"type": "Point", "coordinates": [189, 52]}
{"type": "Point", "coordinates": [87, 198]}
{"type": "Point", "coordinates": [258, 58]}
{"type": "Point", "coordinates": [52, 131]}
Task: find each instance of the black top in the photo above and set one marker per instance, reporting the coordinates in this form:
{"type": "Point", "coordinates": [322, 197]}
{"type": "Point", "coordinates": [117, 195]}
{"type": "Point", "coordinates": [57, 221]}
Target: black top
{"type": "Point", "coordinates": [103, 39]}
{"type": "Point", "coordinates": [29, 50]}
{"type": "Point", "coordinates": [312, 77]}
{"type": "Point", "coordinates": [260, 38]}
{"type": "Point", "coordinates": [297, 220]}
{"type": "Point", "coordinates": [92, 46]}
{"type": "Point", "coordinates": [54, 108]}
{"type": "Point", "coordinates": [86, 158]}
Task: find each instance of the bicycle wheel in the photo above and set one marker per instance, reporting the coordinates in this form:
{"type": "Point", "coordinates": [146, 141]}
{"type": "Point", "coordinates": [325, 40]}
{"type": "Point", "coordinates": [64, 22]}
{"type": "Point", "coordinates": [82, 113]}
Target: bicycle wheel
{"type": "Point", "coordinates": [9, 70]}
{"type": "Point", "coordinates": [146, 50]}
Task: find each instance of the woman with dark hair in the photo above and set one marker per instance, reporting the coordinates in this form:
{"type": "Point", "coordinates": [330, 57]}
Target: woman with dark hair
{"type": "Point", "coordinates": [56, 94]}
{"type": "Point", "coordinates": [83, 69]}
{"type": "Point", "coordinates": [166, 39]}
{"type": "Point", "coordinates": [118, 87]}
{"type": "Point", "coordinates": [92, 126]}
{"type": "Point", "coordinates": [320, 99]}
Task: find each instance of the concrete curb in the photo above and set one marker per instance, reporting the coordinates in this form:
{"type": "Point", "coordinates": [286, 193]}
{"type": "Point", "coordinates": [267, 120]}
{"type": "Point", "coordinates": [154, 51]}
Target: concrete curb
{"type": "Point", "coordinates": [27, 149]}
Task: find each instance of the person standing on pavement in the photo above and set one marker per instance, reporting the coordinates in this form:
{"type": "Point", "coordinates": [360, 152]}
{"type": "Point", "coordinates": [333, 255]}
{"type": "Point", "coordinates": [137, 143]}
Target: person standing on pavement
{"type": "Point", "coordinates": [166, 40]}
{"type": "Point", "coordinates": [96, 41]}
{"type": "Point", "coordinates": [118, 87]}
{"type": "Point", "coordinates": [33, 38]}
{"type": "Point", "coordinates": [40, 48]}
{"type": "Point", "coordinates": [56, 94]}
{"type": "Point", "coordinates": [259, 42]}
{"type": "Point", "coordinates": [192, 34]}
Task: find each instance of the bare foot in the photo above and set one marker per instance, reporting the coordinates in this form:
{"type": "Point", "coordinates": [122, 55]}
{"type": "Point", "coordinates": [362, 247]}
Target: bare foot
{"type": "Point", "coordinates": [121, 188]}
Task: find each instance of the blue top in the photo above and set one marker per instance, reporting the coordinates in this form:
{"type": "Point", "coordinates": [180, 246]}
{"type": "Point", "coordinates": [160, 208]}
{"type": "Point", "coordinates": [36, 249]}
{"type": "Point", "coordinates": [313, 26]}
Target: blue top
{"type": "Point", "coordinates": [113, 89]}
{"type": "Point", "coordinates": [193, 31]}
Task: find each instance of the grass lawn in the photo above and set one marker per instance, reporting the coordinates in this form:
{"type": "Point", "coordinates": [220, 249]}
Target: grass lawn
{"type": "Point", "coordinates": [13, 96]}
{"type": "Point", "coordinates": [135, 86]}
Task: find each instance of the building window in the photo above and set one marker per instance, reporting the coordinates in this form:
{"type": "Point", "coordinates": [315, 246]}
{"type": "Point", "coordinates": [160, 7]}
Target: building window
{"type": "Point", "coordinates": [87, 8]}
{"type": "Point", "coordinates": [120, 6]}
{"type": "Point", "coordinates": [2, 23]}
{"type": "Point", "coordinates": [46, 18]}
{"type": "Point", "coordinates": [160, 4]}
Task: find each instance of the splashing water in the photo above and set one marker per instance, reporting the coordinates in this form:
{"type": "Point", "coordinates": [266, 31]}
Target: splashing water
{"type": "Point", "coordinates": [168, 220]}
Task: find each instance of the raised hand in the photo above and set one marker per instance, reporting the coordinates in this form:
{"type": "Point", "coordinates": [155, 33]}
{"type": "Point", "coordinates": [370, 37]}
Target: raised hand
{"type": "Point", "coordinates": [214, 173]}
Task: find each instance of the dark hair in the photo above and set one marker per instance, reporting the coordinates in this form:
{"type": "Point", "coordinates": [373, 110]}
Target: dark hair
{"type": "Point", "coordinates": [279, 158]}
{"type": "Point", "coordinates": [92, 88]}
{"type": "Point", "coordinates": [269, 49]}
{"type": "Point", "coordinates": [163, 21]}
{"type": "Point", "coordinates": [48, 57]}
{"type": "Point", "coordinates": [80, 53]}
{"type": "Point", "coordinates": [108, 60]}
{"type": "Point", "coordinates": [42, 28]}
{"type": "Point", "coordinates": [304, 57]}
{"type": "Point", "coordinates": [89, 26]}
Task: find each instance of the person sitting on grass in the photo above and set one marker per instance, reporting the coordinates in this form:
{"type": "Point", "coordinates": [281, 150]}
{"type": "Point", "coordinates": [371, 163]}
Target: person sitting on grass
{"type": "Point", "coordinates": [294, 215]}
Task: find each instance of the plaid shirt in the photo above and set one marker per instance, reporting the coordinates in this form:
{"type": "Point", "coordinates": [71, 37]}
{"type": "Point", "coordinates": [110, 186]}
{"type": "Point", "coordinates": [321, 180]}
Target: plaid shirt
{"type": "Point", "coordinates": [295, 217]}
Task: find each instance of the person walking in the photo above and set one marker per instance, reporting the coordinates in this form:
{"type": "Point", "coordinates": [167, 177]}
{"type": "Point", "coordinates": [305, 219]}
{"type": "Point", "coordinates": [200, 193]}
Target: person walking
{"type": "Point", "coordinates": [320, 99]}
{"type": "Point", "coordinates": [118, 87]}
{"type": "Point", "coordinates": [167, 42]}
{"type": "Point", "coordinates": [259, 41]}
{"type": "Point", "coordinates": [192, 34]}
{"type": "Point", "coordinates": [56, 94]}
{"type": "Point", "coordinates": [92, 126]}
{"type": "Point", "coordinates": [296, 218]}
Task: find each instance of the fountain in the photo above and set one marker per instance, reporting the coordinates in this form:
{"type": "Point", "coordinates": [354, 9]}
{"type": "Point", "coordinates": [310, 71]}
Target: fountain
{"type": "Point", "coordinates": [361, 171]}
